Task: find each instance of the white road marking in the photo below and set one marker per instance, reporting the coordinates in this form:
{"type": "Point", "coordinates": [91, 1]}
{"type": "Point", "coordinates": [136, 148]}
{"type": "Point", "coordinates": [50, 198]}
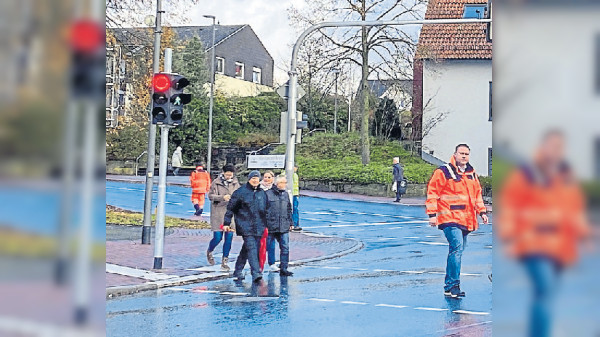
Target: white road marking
{"type": "Point", "coordinates": [412, 237]}
{"type": "Point", "coordinates": [206, 291]}
{"type": "Point", "coordinates": [391, 305]}
{"type": "Point", "coordinates": [364, 224]}
{"type": "Point", "coordinates": [395, 228]}
{"type": "Point", "coordinates": [384, 270]}
{"type": "Point", "coordinates": [413, 271]}
{"type": "Point", "coordinates": [139, 273]}
{"type": "Point", "coordinates": [320, 300]}
{"type": "Point", "coordinates": [357, 303]}
{"type": "Point", "coordinates": [328, 267]}
{"type": "Point", "coordinates": [433, 243]}
{"type": "Point", "coordinates": [470, 312]}
{"type": "Point", "coordinates": [430, 309]}
{"type": "Point", "coordinates": [234, 294]}
{"type": "Point", "coordinates": [173, 203]}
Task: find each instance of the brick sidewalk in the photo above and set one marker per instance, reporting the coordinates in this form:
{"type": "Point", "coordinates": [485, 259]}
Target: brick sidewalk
{"type": "Point", "coordinates": [186, 249]}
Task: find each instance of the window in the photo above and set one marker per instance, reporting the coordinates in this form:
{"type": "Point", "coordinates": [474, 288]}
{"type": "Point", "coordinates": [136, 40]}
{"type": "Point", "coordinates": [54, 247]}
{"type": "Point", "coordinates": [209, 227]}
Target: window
{"type": "Point", "coordinates": [490, 101]}
{"type": "Point", "coordinates": [220, 65]}
{"type": "Point", "coordinates": [239, 70]}
{"type": "Point", "coordinates": [490, 157]}
{"type": "Point", "coordinates": [256, 75]}
{"type": "Point", "coordinates": [474, 12]}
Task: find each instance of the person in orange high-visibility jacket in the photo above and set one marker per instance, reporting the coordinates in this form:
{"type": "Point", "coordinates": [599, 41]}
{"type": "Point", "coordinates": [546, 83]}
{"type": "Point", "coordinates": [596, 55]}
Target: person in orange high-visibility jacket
{"type": "Point", "coordinates": [200, 181]}
{"type": "Point", "coordinates": [541, 221]}
{"type": "Point", "coordinates": [453, 202]}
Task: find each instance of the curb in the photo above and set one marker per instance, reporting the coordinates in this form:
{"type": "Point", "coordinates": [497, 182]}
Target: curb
{"type": "Point", "coordinates": [112, 292]}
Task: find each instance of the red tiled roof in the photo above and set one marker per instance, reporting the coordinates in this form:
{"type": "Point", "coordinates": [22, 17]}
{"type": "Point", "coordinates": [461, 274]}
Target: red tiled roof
{"type": "Point", "coordinates": [452, 41]}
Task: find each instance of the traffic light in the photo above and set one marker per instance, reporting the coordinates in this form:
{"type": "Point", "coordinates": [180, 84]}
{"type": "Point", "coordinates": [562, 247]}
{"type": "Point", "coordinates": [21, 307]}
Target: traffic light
{"type": "Point", "coordinates": [161, 83]}
{"type": "Point", "coordinates": [177, 99]}
{"type": "Point", "coordinates": [168, 98]}
{"type": "Point", "coordinates": [88, 60]}
{"type": "Point", "coordinates": [301, 123]}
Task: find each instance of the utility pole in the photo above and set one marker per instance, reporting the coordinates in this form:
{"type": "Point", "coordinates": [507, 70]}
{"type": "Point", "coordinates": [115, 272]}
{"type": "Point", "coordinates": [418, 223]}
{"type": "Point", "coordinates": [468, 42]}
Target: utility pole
{"type": "Point", "coordinates": [212, 93]}
{"type": "Point", "coordinates": [147, 222]}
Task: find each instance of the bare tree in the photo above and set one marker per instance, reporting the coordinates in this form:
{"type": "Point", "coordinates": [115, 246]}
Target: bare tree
{"type": "Point", "coordinates": [392, 48]}
{"type": "Point", "coordinates": [132, 13]}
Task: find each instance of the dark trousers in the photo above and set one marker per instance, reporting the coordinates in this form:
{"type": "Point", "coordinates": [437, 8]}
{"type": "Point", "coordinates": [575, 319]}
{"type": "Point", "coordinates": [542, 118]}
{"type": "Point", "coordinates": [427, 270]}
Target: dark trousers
{"type": "Point", "coordinates": [249, 253]}
{"type": "Point", "coordinates": [398, 195]}
{"type": "Point", "coordinates": [284, 248]}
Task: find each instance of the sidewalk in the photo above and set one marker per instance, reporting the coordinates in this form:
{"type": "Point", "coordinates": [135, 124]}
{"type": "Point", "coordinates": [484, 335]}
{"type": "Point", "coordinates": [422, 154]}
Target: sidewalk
{"type": "Point", "coordinates": [129, 263]}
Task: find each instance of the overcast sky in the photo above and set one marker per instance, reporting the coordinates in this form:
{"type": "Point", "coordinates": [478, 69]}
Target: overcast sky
{"type": "Point", "coordinates": [268, 18]}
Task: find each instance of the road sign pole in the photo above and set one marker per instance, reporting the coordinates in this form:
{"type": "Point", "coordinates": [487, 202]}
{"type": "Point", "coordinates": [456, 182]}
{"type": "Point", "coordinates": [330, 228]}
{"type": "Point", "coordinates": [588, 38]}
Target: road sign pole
{"type": "Point", "coordinates": [159, 234]}
{"type": "Point", "coordinates": [291, 133]}
{"type": "Point", "coordinates": [147, 222]}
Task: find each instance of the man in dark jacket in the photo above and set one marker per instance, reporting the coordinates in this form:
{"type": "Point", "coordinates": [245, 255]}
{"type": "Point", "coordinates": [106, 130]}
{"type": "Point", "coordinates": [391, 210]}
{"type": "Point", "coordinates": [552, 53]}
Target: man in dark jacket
{"type": "Point", "coordinates": [279, 223]}
{"type": "Point", "coordinates": [248, 204]}
{"type": "Point", "coordinates": [398, 177]}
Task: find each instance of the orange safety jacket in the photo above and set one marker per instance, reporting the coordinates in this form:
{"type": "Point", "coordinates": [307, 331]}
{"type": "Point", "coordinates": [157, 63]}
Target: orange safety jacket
{"type": "Point", "coordinates": [542, 216]}
{"type": "Point", "coordinates": [454, 197]}
{"type": "Point", "coordinates": [200, 182]}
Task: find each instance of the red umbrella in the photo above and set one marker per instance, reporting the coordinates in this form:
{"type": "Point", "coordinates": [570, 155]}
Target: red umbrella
{"type": "Point", "coordinates": [262, 251]}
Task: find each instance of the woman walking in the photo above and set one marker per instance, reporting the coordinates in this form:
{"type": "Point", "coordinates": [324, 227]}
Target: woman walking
{"type": "Point", "coordinates": [219, 194]}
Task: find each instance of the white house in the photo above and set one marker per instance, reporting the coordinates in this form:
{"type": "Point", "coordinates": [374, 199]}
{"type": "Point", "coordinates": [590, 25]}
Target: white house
{"type": "Point", "coordinates": [452, 85]}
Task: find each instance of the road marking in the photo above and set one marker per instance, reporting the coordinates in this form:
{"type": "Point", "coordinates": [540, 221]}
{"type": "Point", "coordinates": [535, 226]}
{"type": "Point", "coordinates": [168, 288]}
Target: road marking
{"type": "Point", "coordinates": [433, 243]}
{"type": "Point", "coordinates": [384, 270]}
{"type": "Point", "coordinates": [359, 269]}
{"type": "Point", "coordinates": [396, 227]}
{"type": "Point", "coordinates": [470, 312]}
{"type": "Point", "coordinates": [139, 273]}
{"type": "Point", "coordinates": [413, 271]}
{"type": "Point", "coordinates": [206, 291]}
{"type": "Point", "coordinates": [328, 267]}
{"type": "Point", "coordinates": [364, 224]}
{"type": "Point", "coordinates": [320, 300]}
{"type": "Point", "coordinates": [432, 236]}
{"type": "Point", "coordinates": [430, 309]}
{"type": "Point", "coordinates": [173, 203]}
{"type": "Point", "coordinates": [357, 303]}
{"type": "Point", "coordinates": [391, 306]}
{"type": "Point", "coordinates": [412, 237]}
{"type": "Point", "coordinates": [233, 293]}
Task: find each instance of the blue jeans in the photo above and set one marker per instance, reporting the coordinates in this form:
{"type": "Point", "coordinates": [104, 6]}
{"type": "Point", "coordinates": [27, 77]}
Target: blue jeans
{"type": "Point", "coordinates": [544, 274]}
{"type": "Point", "coordinates": [295, 212]}
{"type": "Point", "coordinates": [284, 249]}
{"type": "Point", "coordinates": [457, 240]}
{"type": "Point", "coordinates": [249, 252]}
{"type": "Point", "coordinates": [217, 236]}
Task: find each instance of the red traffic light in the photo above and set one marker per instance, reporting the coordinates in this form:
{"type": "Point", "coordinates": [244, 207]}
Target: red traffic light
{"type": "Point", "coordinates": [161, 82]}
{"type": "Point", "coordinates": [87, 36]}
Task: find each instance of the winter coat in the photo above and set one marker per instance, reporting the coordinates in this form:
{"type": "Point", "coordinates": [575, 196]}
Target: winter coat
{"type": "Point", "coordinates": [218, 189]}
{"type": "Point", "coordinates": [398, 172]}
{"type": "Point", "coordinates": [176, 159]}
{"type": "Point", "coordinates": [249, 206]}
{"type": "Point", "coordinates": [200, 182]}
{"type": "Point", "coordinates": [455, 197]}
{"type": "Point", "coordinates": [279, 211]}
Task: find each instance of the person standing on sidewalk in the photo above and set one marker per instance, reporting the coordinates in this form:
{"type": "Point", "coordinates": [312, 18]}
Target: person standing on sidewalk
{"type": "Point", "coordinates": [269, 248]}
{"type": "Point", "coordinates": [296, 200]}
{"type": "Point", "coordinates": [176, 161]}
{"type": "Point", "coordinates": [279, 223]}
{"type": "Point", "coordinates": [453, 201]}
{"type": "Point", "coordinates": [219, 194]}
{"type": "Point", "coordinates": [542, 220]}
{"type": "Point", "coordinates": [248, 204]}
{"type": "Point", "coordinates": [267, 180]}
{"type": "Point", "coordinates": [200, 182]}
{"type": "Point", "coordinates": [398, 177]}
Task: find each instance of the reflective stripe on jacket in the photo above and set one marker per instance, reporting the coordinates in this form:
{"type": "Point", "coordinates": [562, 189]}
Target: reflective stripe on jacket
{"type": "Point", "coordinates": [455, 197]}
{"type": "Point", "coordinates": [200, 182]}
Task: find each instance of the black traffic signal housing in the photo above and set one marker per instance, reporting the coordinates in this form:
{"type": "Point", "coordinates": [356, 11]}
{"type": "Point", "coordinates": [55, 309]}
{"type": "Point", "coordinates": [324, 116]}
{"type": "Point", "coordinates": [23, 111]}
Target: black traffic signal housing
{"type": "Point", "coordinates": [88, 60]}
{"type": "Point", "coordinates": [177, 99]}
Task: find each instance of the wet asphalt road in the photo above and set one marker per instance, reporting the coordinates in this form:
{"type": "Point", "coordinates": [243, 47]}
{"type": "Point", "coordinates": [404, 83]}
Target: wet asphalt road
{"type": "Point", "coordinates": [391, 287]}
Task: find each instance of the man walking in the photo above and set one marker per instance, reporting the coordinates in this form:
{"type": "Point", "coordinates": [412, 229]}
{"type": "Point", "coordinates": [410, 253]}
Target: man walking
{"type": "Point", "coordinates": [279, 222]}
{"type": "Point", "coordinates": [176, 160]}
{"type": "Point", "coordinates": [398, 177]}
{"type": "Point", "coordinates": [248, 204]}
{"type": "Point", "coordinates": [453, 201]}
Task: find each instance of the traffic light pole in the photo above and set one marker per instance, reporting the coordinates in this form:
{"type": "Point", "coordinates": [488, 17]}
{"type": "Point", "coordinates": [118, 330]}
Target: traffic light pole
{"type": "Point", "coordinates": [159, 234]}
{"type": "Point", "coordinates": [293, 82]}
{"type": "Point", "coordinates": [147, 222]}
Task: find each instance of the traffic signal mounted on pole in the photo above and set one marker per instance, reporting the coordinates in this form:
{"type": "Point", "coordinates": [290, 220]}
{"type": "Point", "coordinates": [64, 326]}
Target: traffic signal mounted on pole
{"type": "Point", "coordinates": [88, 54]}
{"type": "Point", "coordinates": [168, 98]}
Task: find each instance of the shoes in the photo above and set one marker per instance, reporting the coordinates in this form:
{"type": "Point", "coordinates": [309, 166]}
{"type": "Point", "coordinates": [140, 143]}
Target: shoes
{"type": "Point", "coordinates": [297, 229]}
{"type": "Point", "coordinates": [238, 276]}
{"type": "Point", "coordinates": [397, 200]}
{"type": "Point", "coordinates": [210, 258]}
{"type": "Point", "coordinates": [286, 273]}
{"type": "Point", "coordinates": [224, 265]}
{"type": "Point", "coordinates": [454, 292]}
{"type": "Point", "coordinates": [273, 268]}
{"type": "Point", "coordinates": [257, 279]}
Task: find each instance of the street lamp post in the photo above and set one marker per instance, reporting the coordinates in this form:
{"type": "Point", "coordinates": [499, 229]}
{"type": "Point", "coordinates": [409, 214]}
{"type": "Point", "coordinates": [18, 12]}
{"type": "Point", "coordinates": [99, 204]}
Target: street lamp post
{"type": "Point", "coordinates": [336, 72]}
{"type": "Point", "coordinates": [212, 93]}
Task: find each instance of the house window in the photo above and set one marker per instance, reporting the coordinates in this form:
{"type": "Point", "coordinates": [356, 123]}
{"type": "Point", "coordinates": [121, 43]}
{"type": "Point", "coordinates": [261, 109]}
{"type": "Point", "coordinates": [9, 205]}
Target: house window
{"type": "Point", "coordinates": [490, 101]}
{"type": "Point", "coordinates": [256, 75]}
{"type": "Point", "coordinates": [239, 70]}
{"type": "Point", "coordinates": [219, 65]}
{"type": "Point", "coordinates": [474, 12]}
{"type": "Point", "coordinates": [490, 157]}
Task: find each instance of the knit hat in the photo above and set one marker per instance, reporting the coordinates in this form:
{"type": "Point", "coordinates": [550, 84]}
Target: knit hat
{"type": "Point", "coordinates": [253, 174]}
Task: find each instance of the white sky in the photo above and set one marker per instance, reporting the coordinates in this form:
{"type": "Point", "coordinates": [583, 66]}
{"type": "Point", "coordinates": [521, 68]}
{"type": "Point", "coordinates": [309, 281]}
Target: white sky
{"type": "Point", "coordinates": [268, 19]}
